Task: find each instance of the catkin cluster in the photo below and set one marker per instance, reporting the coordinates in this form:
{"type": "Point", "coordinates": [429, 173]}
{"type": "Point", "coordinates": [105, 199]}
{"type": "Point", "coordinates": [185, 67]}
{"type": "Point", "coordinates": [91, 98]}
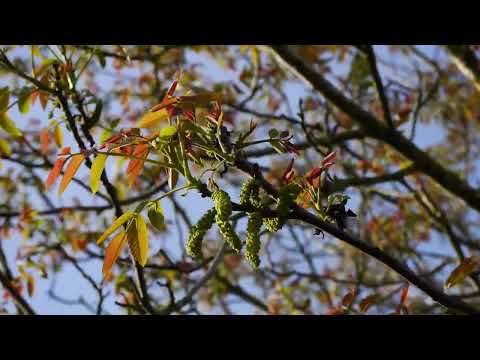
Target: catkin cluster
{"type": "Point", "coordinates": [223, 207]}
{"type": "Point", "coordinates": [286, 198]}
{"type": "Point", "coordinates": [253, 239]}
{"type": "Point", "coordinates": [198, 231]}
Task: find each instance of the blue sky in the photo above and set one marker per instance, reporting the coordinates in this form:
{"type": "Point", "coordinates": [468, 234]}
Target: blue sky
{"type": "Point", "coordinates": [69, 284]}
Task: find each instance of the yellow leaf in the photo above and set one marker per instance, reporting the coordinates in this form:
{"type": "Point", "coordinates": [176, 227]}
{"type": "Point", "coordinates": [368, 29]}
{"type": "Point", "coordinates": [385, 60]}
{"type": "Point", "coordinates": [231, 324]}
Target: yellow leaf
{"type": "Point", "coordinates": [72, 168]}
{"type": "Point", "coordinates": [405, 164]}
{"type": "Point", "coordinates": [255, 55]}
{"type": "Point", "coordinates": [5, 147]}
{"type": "Point", "coordinates": [116, 224]}
{"type": "Point", "coordinates": [4, 99]}
{"type": "Point", "coordinates": [142, 240]}
{"type": "Point", "coordinates": [466, 267]}
{"type": "Point", "coordinates": [58, 136]}
{"type": "Point", "coordinates": [96, 172]}
{"type": "Point", "coordinates": [132, 238]}
{"type": "Point", "coordinates": [112, 252]}
{"type": "Point", "coordinates": [153, 119]}
{"type": "Point", "coordinates": [7, 124]}
{"type": "Point", "coordinates": [36, 51]}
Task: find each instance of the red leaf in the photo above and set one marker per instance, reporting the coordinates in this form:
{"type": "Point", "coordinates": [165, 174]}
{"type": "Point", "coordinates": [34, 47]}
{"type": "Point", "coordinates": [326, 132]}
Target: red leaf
{"type": "Point", "coordinates": [57, 168]}
{"type": "Point", "coordinates": [329, 158]}
{"type": "Point", "coordinates": [404, 294]}
{"type": "Point", "coordinates": [172, 88]}
{"type": "Point", "coordinates": [189, 114]}
{"type": "Point", "coordinates": [289, 173]}
{"type": "Point", "coordinates": [327, 165]}
{"type": "Point", "coordinates": [315, 173]}
{"type": "Point", "coordinates": [164, 103]}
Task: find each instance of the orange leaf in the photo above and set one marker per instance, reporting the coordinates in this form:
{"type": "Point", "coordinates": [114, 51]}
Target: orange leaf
{"type": "Point", "coordinates": [34, 96]}
{"type": "Point", "coordinates": [112, 252]}
{"type": "Point", "coordinates": [135, 166]}
{"type": "Point", "coordinates": [347, 300]}
{"type": "Point", "coordinates": [72, 168]}
{"type": "Point", "coordinates": [44, 96]}
{"type": "Point", "coordinates": [335, 311]}
{"type": "Point", "coordinates": [45, 140]}
{"type": "Point", "coordinates": [366, 303]}
{"type": "Point", "coordinates": [466, 267]}
{"type": "Point", "coordinates": [30, 285]}
{"type": "Point", "coordinates": [57, 168]}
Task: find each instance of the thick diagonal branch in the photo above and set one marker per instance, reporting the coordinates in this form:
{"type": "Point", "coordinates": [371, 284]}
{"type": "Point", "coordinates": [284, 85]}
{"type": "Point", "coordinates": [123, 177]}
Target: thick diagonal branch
{"type": "Point", "coordinates": [375, 129]}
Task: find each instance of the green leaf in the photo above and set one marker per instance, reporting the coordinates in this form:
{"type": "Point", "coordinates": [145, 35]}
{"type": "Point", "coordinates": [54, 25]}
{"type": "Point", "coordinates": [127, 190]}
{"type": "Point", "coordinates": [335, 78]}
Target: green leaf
{"type": "Point", "coordinates": [273, 133]}
{"type": "Point", "coordinates": [116, 224]}
{"type": "Point", "coordinates": [466, 267]}
{"type": "Point", "coordinates": [277, 147]}
{"type": "Point", "coordinates": [96, 172]}
{"type": "Point", "coordinates": [115, 123]}
{"type": "Point", "coordinates": [24, 100]}
{"type": "Point", "coordinates": [101, 59]}
{"type": "Point", "coordinates": [105, 134]}
{"type": "Point", "coordinates": [4, 99]}
{"type": "Point", "coordinates": [168, 132]}
{"type": "Point", "coordinates": [7, 124]}
{"type": "Point", "coordinates": [155, 215]}
{"type": "Point", "coordinates": [5, 147]}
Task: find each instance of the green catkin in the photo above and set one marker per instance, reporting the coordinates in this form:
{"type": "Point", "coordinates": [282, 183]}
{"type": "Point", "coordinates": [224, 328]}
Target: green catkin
{"type": "Point", "coordinates": [223, 204]}
{"type": "Point", "coordinates": [223, 207]}
{"type": "Point", "coordinates": [197, 233]}
{"type": "Point", "coordinates": [286, 198]}
{"type": "Point", "coordinates": [272, 224]}
{"type": "Point", "coordinates": [229, 234]}
{"type": "Point", "coordinates": [249, 194]}
{"type": "Point", "coordinates": [246, 191]}
{"type": "Point", "coordinates": [253, 239]}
